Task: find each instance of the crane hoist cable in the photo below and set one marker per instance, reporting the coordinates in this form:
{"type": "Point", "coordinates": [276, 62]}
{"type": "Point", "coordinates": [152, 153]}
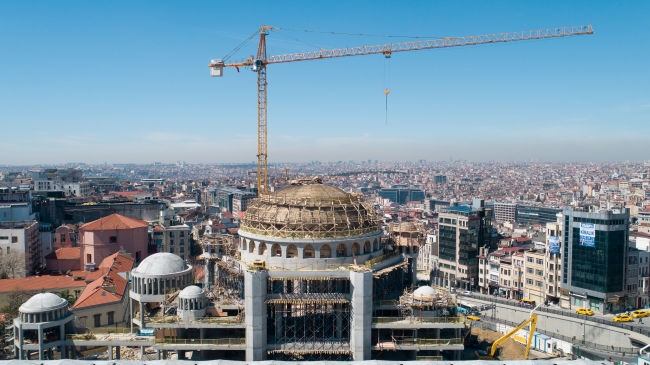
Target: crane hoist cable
{"type": "Point", "coordinates": [387, 86]}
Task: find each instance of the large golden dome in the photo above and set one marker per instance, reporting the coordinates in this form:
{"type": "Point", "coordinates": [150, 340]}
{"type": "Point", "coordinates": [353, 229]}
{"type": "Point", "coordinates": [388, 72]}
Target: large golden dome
{"type": "Point", "coordinates": [310, 209]}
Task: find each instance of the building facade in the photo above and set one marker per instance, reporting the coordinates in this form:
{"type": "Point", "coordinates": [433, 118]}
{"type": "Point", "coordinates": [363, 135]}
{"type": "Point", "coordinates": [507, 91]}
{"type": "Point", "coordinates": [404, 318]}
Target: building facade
{"type": "Point", "coordinates": [594, 257]}
{"type": "Point", "coordinates": [505, 212]}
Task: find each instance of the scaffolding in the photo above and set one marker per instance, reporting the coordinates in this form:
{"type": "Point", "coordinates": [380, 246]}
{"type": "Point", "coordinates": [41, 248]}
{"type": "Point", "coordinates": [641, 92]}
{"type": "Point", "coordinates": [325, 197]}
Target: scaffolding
{"type": "Point", "coordinates": [309, 318]}
{"type": "Point", "coordinates": [309, 209]}
{"type": "Point", "coordinates": [388, 283]}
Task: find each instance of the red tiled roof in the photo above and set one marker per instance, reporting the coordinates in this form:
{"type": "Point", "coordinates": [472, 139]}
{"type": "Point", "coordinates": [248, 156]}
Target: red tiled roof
{"type": "Point", "coordinates": [119, 262]}
{"type": "Point", "coordinates": [114, 221]}
{"type": "Point", "coordinates": [45, 282]}
{"type": "Point", "coordinates": [65, 253]}
{"type": "Point", "coordinates": [96, 293]}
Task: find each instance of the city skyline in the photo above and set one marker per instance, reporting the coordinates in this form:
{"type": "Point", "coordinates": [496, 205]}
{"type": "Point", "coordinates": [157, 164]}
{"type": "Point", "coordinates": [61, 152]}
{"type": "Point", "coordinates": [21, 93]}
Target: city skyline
{"type": "Point", "coordinates": [129, 83]}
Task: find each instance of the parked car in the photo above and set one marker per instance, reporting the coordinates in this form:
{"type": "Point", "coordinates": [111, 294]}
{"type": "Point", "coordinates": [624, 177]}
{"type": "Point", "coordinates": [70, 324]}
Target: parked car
{"type": "Point", "coordinates": [473, 318]}
{"type": "Point", "coordinates": [622, 318]}
{"type": "Point", "coordinates": [467, 293]}
{"type": "Point", "coordinates": [640, 313]}
{"type": "Point", "coordinates": [585, 311]}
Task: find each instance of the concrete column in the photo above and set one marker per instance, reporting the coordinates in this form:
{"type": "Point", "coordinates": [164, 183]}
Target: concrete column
{"type": "Point", "coordinates": [131, 311]}
{"type": "Point", "coordinates": [202, 333]}
{"type": "Point", "coordinates": [437, 332]}
{"type": "Point", "coordinates": [62, 334]}
{"type": "Point", "coordinates": [20, 342]}
{"type": "Point", "coordinates": [110, 352]}
{"type": "Point", "coordinates": [362, 315]}
{"type": "Point", "coordinates": [157, 354]}
{"type": "Point", "coordinates": [141, 315]}
{"type": "Point", "coordinates": [40, 343]}
{"type": "Point", "coordinates": [255, 294]}
{"type": "Point", "coordinates": [279, 309]}
{"type": "Point", "coordinates": [339, 320]}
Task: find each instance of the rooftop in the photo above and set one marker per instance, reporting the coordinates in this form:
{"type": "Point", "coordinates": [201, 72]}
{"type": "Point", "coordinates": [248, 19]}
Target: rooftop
{"type": "Point", "coordinates": [114, 221]}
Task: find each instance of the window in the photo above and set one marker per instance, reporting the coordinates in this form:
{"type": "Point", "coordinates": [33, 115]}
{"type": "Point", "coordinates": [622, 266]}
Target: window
{"type": "Point", "coordinates": [171, 250]}
{"type": "Point", "coordinates": [530, 270]}
{"type": "Point", "coordinates": [480, 271]}
{"type": "Point", "coordinates": [171, 242]}
{"type": "Point", "coordinates": [539, 272]}
{"type": "Point", "coordinates": [14, 239]}
{"type": "Point", "coordinates": [550, 277]}
{"type": "Point", "coordinates": [89, 258]}
{"type": "Point", "coordinates": [62, 238]}
{"type": "Point", "coordinates": [171, 234]}
{"type": "Point", "coordinates": [540, 261]}
{"type": "Point", "coordinates": [516, 283]}
{"type": "Point", "coordinates": [111, 318]}
{"type": "Point", "coordinates": [182, 234]}
{"type": "Point", "coordinates": [530, 259]}
{"type": "Point", "coordinates": [112, 239]}
{"type": "Point", "coordinates": [182, 250]}
{"type": "Point", "coordinates": [77, 293]}
{"type": "Point", "coordinates": [480, 280]}
{"type": "Point", "coordinates": [538, 283]}
{"type": "Point", "coordinates": [97, 318]}
{"type": "Point", "coordinates": [529, 281]}
{"type": "Point", "coordinates": [182, 242]}
{"type": "Point", "coordinates": [550, 266]}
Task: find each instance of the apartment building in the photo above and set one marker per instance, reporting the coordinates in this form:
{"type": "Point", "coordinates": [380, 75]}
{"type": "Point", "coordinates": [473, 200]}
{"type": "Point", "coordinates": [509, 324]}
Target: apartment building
{"type": "Point", "coordinates": [22, 238]}
{"type": "Point", "coordinates": [462, 230]}
{"type": "Point", "coordinates": [553, 262]}
{"type": "Point", "coordinates": [176, 240]}
{"type": "Point", "coordinates": [505, 212]}
{"type": "Point", "coordinates": [534, 280]}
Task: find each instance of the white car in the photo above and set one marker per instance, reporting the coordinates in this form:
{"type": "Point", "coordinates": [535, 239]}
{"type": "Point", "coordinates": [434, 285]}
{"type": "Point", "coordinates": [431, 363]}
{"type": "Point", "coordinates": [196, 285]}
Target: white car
{"type": "Point", "coordinates": [467, 293]}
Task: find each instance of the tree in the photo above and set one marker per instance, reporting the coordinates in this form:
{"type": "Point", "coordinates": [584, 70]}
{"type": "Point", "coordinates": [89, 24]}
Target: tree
{"type": "Point", "coordinates": [12, 265]}
{"type": "Point", "coordinates": [65, 294]}
{"type": "Point", "coordinates": [15, 299]}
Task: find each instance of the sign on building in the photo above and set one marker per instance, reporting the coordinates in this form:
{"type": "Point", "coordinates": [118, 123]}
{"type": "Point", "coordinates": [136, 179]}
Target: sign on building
{"type": "Point", "coordinates": [554, 245]}
{"type": "Point", "coordinates": [587, 234]}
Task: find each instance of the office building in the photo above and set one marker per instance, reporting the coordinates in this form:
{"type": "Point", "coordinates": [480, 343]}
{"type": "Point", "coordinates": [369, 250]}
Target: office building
{"type": "Point", "coordinates": [402, 195]}
{"type": "Point", "coordinates": [529, 214]}
{"type": "Point", "coordinates": [594, 253]}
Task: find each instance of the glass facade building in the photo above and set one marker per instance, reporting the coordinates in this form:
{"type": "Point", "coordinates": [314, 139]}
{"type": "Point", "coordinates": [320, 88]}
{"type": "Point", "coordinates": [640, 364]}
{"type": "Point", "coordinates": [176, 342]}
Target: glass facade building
{"type": "Point", "coordinates": [529, 214]}
{"type": "Point", "coordinates": [594, 252]}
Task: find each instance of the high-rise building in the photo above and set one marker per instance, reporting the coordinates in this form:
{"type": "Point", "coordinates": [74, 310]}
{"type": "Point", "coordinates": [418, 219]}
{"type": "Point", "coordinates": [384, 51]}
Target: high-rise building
{"type": "Point", "coordinates": [594, 252]}
{"type": "Point", "coordinates": [505, 212]}
{"type": "Point", "coordinates": [402, 195]}
{"type": "Point", "coordinates": [529, 214]}
{"type": "Point", "coordinates": [462, 230]}
{"type": "Point", "coordinates": [440, 179]}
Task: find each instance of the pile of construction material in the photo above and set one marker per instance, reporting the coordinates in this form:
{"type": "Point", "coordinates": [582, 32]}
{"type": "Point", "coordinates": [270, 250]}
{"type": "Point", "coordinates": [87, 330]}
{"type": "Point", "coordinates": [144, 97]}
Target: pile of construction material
{"type": "Point", "coordinates": [509, 349]}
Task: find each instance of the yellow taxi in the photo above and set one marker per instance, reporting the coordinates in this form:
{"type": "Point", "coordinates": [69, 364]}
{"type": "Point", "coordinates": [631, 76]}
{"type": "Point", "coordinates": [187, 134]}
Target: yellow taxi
{"type": "Point", "coordinates": [640, 313]}
{"type": "Point", "coordinates": [473, 318]}
{"type": "Point", "coordinates": [622, 318]}
{"type": "Point", "coordinates": [585, 311]}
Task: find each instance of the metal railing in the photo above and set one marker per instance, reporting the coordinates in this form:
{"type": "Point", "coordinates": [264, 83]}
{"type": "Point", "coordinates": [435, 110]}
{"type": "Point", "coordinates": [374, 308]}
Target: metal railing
{"type": "Point", "coordinates": [428, 358]}
{"type": "Point", "coordinates": [430, 341]}
{"type": "Point", "coordinates": [304, 266]}
{"type": "Point", "coordinates": [199, 342]}
{"type": "Point", "coordinates": [108, 337]}
{"type": "Point", "coordinates": [565, 313]}
{"type": "Point", "coordinates": [206, 320]}
{"type": "Point", "coordinates": [388, 302]}
{"type": "Point", "coordinates": [379, 259]}
{"type": "Point", "coordinates": [413, 320]}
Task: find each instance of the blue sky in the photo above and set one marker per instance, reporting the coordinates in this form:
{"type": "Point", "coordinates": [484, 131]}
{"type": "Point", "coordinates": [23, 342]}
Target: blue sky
{"type": "Point", "coordinates": [126, 81]}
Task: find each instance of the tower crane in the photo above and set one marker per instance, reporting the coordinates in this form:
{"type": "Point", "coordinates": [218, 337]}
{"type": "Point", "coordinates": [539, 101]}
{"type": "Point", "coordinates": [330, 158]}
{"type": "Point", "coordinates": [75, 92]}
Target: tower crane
{"type": "Point", "coordinates": [261, 61]}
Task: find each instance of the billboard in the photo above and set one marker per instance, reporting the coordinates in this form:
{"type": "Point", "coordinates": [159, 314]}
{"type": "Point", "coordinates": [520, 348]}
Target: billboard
{"type": "Point", "coordinates": [554, 245]}
{"type": "Point", "coordinates": [587, 235]}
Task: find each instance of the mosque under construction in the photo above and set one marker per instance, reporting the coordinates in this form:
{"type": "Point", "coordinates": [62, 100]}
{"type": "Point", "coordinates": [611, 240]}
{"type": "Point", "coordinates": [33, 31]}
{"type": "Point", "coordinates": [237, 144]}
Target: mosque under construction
{"type": "Point", "coordinates": [310, 277]}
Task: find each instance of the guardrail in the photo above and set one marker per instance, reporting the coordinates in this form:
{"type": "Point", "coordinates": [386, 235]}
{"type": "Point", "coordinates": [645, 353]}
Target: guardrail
{"type": "Point", "coordinates": [374, 261]}
{"type": "Point", "coordinates": [207, 320]}
{"type": "Point", "coordinates": [566, 313]}
{"type": "Point", "coordinates": [428, 358]}
{"type": "Point", "coordinates": [413, 320]}
{"type": "Point", "coordinates": [491, 322]}
{"type": "Point", "coordinates": [198, 341]}
{"type": "Point", "coordinates": [430, 342]}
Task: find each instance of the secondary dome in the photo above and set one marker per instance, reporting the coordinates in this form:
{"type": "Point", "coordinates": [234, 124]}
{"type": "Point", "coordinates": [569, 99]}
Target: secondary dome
{"type": "Point", "coordinates": [162, 263]}
{"type": "Point", "coordinates": [309, 209]}
{"type": "Point", "coordinates": [425, 293]}
{"type": "Point", "coordinates": [191, 292]}
{"type": "Point", "coordinates": [43, 302]}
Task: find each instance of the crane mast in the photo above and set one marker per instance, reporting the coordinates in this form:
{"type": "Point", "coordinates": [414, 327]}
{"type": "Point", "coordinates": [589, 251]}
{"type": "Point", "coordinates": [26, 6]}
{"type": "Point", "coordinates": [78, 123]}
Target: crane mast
{"type": "Point", "coordinates": [261, 61]}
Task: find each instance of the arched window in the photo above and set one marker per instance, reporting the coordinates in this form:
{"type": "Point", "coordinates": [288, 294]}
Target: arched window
{"type": "Point", "coordinates": [366, 247]}
{"type": "Point", "coordinates": [292, 251]}
{"type": "Point", "coordinates": [276, 250]}
{"type": "Point", "coordinates": [325, 252]}
{"type": "Point", "coordinates": [341, 250]}
{"type": "Point", "coordinates": [251, 246]}
{"type": "Point", "coordinates": [261, 250]}
{"type": "Point", "coordinates": [355, 248]}
{"type": "Point", "coordinates": [308, 252]}
{"type": "Point", "coordinates": [243, 244]}
{"type": "Point", "coordinates": [375, 245]}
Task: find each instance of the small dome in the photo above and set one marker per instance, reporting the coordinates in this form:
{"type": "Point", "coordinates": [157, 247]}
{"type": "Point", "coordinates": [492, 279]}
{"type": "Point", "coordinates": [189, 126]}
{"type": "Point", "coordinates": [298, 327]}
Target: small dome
{"type": "Point", "coordinates": [191, 292]}
{"type": "Point", "coordinates": [43, 302]}
{"type": "Point", "coordinates": [162, 263]}
{"type": "Point", "coordinates": [425, 293]}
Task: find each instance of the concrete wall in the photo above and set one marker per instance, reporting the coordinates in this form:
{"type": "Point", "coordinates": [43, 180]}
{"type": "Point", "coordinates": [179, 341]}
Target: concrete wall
{"type": "Point", "coordinates": [255, 294]}
{"type": "Point", "coordinates": [360, 339]}
{"type": "Point", "coordinates": [567, 326]}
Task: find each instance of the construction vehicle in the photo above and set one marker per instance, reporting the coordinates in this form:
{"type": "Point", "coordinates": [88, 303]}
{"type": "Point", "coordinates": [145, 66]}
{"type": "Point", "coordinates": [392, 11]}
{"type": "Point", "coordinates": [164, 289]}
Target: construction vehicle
{"type": "Point", "coordinates": [260, 61]}
{"type": "Point", "coordinates": [491, 351]}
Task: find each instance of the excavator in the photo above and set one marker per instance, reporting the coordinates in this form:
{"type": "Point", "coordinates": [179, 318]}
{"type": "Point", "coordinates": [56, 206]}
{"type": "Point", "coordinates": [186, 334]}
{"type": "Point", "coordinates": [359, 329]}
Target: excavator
{"type": "Point", "coordinates": [532, 320]}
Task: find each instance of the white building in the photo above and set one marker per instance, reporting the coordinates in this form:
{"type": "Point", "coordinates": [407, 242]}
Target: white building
{"type": "Point", "coordinates": [22, 237]}
{"type": "Point", "coordinates": [505, 212]}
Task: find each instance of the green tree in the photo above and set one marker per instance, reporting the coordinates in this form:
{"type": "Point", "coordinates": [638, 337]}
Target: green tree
{"type": "Point", "coordinates": [65, 294]}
